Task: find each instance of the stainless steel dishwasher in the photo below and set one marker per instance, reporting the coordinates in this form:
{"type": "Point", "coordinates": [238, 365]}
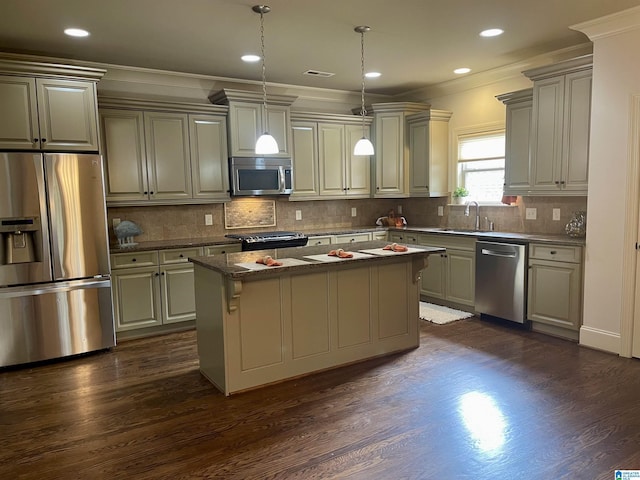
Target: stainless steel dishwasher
{"type": "Point", "coordinates": [501, 280]}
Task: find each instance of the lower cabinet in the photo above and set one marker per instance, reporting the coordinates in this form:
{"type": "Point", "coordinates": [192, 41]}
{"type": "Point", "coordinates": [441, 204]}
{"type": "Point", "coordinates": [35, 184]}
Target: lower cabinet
{"type": "Point", "coordinates": [156, 288]}
{"type": "Point", "coordinates": [450, 276]}
{"type": "Point", "coordinates": [555, 289]}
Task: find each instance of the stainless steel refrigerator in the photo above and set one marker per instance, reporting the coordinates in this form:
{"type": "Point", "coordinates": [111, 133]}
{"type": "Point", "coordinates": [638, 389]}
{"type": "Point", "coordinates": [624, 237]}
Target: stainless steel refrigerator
{"type": "Point", "coordinates": [55, 283]}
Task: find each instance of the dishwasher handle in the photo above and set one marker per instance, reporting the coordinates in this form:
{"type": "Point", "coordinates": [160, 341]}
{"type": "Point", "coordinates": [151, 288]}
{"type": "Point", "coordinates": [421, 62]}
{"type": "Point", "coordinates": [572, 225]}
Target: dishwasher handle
{"type": "Point", "coordinates": [496, 253]}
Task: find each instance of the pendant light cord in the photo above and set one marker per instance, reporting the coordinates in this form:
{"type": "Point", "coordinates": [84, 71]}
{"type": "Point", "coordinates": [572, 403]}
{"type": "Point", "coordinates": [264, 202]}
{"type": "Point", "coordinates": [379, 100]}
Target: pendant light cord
{"type": "Point", "coordinates": [265, 116]}
{"type": "Point", "coordinates": [363, 112]}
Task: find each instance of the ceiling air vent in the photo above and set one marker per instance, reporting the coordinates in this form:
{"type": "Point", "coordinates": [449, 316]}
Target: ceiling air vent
{"type": "Point", "coordinates": [318, 73]}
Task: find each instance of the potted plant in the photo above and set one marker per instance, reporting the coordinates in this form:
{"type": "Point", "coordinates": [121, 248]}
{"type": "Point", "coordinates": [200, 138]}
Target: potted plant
{"type": "Point", "coordinates": [459, 195]}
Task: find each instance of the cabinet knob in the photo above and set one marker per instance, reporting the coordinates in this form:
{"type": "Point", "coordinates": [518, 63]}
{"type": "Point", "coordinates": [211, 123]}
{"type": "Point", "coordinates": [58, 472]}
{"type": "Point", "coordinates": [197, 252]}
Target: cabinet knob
{"type": "Point", "coordinates": [133, 259]}
{"type": "Point", "coordinates": [157, 274]}
{"type": "Point", "coordinates": [151, 192]}
{"type": "Point", "coordinates": [181, 256]}
{"type": "Point", "coordinates": [557, 182]}
{"type": "Point", "coordinates": [35, 140]}
{"type": "Point", "coordinates": [44, 140]}
{"type": "Point", "coordinates": [553, 252]}
{"type": "Point", "coordinates": [561, 182]}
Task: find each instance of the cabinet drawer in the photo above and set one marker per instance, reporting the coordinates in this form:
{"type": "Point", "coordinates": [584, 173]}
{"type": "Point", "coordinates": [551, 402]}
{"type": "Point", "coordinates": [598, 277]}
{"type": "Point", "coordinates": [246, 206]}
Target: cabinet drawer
{"type": "Point", "coordinates": [179, 255]}
{"type": "Point", "coordinates": [320, 240]}
{"type": "Point", "coordinates": [211, 250]}
{"type": "Point", "coordinates": [403, 237]}
{"type": "Point", "coordinates": [134, 259]}
{"type": "Point", "coordinates": [560, 253]}
{"type": "Point", "coordinates": [356, 237]}
{"type": "Point", "coordinates": [449, 241]}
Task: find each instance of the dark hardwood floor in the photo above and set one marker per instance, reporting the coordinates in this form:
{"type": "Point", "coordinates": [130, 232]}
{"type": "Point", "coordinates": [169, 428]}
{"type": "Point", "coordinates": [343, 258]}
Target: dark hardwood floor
{"type": "Point", "coordinates": [476, 401]}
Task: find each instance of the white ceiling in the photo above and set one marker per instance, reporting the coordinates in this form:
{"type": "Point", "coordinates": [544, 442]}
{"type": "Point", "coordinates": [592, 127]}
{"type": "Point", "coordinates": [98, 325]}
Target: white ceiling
{"type": "Point", "coordinates": [414, 43]}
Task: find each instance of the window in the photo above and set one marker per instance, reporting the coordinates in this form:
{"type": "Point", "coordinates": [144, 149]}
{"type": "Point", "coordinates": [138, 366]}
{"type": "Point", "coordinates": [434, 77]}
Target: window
{"type": "Point", "coordinates": [481, 165]}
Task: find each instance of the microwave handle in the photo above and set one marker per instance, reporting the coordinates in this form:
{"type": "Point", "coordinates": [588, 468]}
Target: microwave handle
{"type": "Point", "coordinates": [283, 179]}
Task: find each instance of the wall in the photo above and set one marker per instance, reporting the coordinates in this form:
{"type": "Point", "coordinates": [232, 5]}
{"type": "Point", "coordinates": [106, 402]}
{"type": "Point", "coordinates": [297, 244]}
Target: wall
{"type": "Point", "coordinates": [616, 79]}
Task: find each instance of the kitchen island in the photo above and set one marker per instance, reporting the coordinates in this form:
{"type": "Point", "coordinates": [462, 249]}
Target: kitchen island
{"type": "Point", "coordinates": [258, 325]}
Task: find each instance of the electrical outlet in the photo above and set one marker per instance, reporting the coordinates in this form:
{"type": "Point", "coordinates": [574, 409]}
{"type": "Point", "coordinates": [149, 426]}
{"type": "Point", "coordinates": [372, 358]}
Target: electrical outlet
{"type": "Point", "coordinates": [400, 209]}
{"type": "Point", "coordinates": [115, 222]}
{"type": "Point", "coordinates": [298, 214]}
{"type": "Point", "coordinates": [531, 213]}
{"type": "Point", "coordinates": [354, 212]}
{"type": "Point", "coordinates": [556, 214]}
{"type": "Point", "coordinates": [440, 210]}
{"type": "Point", "coordinates": [208, 219]}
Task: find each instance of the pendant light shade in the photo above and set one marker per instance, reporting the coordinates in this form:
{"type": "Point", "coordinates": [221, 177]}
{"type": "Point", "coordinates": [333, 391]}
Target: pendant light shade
{"type": "Point", "coordinates": [364, 145]}
{"type": "Point", "coordinates": [265, 144]}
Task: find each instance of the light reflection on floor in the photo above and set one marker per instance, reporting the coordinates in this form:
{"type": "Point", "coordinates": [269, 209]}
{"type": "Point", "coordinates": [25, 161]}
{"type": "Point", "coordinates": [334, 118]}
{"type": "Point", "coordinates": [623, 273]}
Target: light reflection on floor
{"type": "Point", "coordinates": [484, 420]}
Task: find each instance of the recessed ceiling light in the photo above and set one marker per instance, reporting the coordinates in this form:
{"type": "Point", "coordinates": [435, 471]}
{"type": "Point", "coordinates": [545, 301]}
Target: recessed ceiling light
{"type": "Point", "coordinates": [372, 74]}
{"type": "Point", "coordinates": [76, 32]}
{"type": "Point", "coordinates": [492, 32]}
{"type": "Point", "coordinates": [250, 58]}
{"type": "Point", "coordinates": [460, 71]}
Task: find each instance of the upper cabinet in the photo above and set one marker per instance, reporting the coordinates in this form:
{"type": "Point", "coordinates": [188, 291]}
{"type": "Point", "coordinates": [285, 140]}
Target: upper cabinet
{"type": "Point", "coordinates": [560, 127]}
{"type": "Point", "coordinates": [163, 153]}
{"type": "Point", "coordinates": [405, 148]}
{"type": "Point", "coordinates": [246, 120]}
{"type": "Point", "coordinates": [519, 106]}
{"type": "Point", "coordinates": [48, 107]}
{"type": "Point", "coordinates": [428, 153]}
{"type": "Point", "coordinates": [324, 166]}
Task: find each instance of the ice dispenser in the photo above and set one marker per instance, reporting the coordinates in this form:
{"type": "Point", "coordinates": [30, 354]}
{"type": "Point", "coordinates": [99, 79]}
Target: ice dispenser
{"type": "Point", "coordinates": [18, 244]}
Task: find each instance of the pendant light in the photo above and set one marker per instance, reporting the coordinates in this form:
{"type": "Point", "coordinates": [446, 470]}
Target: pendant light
{"type": "Point", "coordinates": [265, 144]}
{"type": "Point", "coordinates": [364, 145]}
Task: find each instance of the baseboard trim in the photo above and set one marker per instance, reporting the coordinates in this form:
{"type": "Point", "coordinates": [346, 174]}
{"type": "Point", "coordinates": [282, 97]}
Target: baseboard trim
{"type": "Point", "coordinates": [600, 339]}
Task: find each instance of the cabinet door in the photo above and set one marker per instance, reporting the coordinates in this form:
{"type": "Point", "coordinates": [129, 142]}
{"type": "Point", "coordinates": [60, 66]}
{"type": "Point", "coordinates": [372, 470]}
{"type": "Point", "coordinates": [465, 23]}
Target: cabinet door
{"type": "Point", "coordinates": [548, 97]}
{"type": "Point", "coordinates": [19, 118]}
{"type": "Point", "coordinates": [279, 126]}
{"type": "Point", "coordinates": [305, 159]}
{"type": "Point", "coordinates": [358, 167]}
{"type": "Point", "coordinates": [419, 158]}
{"type": "Point", "coordinates": [577, 115]}
{"type": "Point", "coordinates": [67, 113]}
{"type": "Point", "coordinates": [245, 124]}
{"type": "Point", "coordinates": [178, 293]}
{"type": "Point", "coordinates": [136, 295]}
{"type": "Point", "coordinates": [124, 151]}
{"type": "Point", "coordinates": [517, 162]}
{"type": "Point", "coordinates": [168, 161]}
{"type": "Point", "coordinates": [433, 277]}
{"type": "Point", "coordinates": [209, 163]}
{"type": "Point", "coordinates": [555, 293]}
{"type": "Point", "coordinates": [461, 274]}
{"type": "Point", "coordinates": [389, 154]}
{"type": "Point", "coordinates": [331, 155]}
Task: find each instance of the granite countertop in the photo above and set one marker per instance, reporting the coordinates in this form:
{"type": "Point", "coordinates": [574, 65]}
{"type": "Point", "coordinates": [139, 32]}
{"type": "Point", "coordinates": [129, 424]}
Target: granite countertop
{"type": "Point", "coordinates": [296, 258]}
{"type": "Point", "coordinates": [498, 236]}
{"type": "Point", "coordinates": [177, 243]}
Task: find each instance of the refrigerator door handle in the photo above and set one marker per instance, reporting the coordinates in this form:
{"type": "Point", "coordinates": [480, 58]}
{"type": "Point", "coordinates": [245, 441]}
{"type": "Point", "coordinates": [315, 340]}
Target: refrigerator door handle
{"type": "Point", "coordinates": [44, 288]}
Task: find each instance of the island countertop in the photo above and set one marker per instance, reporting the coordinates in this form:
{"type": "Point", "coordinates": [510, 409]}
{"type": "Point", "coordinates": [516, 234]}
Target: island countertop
{"type": "Point", "coordinates": [243, 264]}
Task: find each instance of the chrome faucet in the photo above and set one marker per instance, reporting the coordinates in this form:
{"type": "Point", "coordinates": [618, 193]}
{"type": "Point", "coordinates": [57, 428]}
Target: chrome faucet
{"type": "Point", "coordinates": [466, 212]}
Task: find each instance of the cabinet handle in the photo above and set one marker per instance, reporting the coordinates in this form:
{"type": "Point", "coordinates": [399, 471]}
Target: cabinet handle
{"type": "Point", "coordinates": [557, 182]}
{"type": "Point", "coordinates": [561, 182]}
{"type": "Point", "coordinates": [553, 252]}
{"type": "Point", "coordinates": [44, 140]}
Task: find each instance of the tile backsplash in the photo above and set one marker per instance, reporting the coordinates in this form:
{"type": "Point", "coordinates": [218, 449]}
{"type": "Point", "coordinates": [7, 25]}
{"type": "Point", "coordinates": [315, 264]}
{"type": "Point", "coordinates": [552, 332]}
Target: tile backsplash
{"type": "Point", "coordinates": [188, 221]}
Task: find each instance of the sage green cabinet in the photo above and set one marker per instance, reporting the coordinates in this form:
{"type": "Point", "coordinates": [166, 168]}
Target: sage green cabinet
{"type": "Point", "coordinates": [450, 277]}
{"type": "Point", "coordinates": [324, 166]}
{"type": "Point", "coordinates": [411, 150]}
{"type": "Point", "coordinates": [155, 156]}
{"type": "Point", "coordinates": [48, 114]}
{"type": "Point", "coordinates": [519, 106]}
{"type": "Point", "coordinates": [555, 289]}
{"type": "Point", "coordinates": [560, 127]}
{"type": "Point", "coordinates": [153, 288]}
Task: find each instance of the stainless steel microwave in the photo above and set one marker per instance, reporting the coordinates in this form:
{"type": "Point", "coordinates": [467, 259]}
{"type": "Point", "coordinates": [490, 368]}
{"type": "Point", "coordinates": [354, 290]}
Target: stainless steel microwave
{"type": "Point", "coordinates": [252, 176]}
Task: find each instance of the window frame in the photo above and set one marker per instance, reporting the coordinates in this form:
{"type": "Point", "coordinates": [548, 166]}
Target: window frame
{"type": "Point", "coordinates": [477, 132]}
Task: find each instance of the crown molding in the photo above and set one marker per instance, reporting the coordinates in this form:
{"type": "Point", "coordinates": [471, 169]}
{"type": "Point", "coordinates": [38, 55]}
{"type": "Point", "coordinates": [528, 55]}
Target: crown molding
{"type": "Point", "coordinates": [610, 25]}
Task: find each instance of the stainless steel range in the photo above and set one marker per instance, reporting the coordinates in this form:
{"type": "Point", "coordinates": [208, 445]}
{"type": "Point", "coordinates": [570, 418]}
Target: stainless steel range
{"type": "Point", "coordinates": [264, 240]}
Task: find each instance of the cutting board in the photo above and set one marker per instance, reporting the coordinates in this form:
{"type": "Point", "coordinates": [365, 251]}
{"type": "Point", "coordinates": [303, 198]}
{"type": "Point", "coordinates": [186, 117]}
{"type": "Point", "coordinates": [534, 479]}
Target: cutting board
{"type": "Point", "coordinates": [286, 262]}
{"type": "Point", "coordinates": [328, 258]}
